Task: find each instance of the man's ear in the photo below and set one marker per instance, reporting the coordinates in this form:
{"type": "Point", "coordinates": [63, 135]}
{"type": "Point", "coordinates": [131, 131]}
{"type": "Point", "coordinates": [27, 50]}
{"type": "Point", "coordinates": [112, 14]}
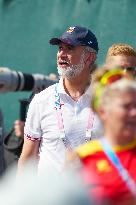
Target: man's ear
{"type": "Point", "coordinates": [91, 57]}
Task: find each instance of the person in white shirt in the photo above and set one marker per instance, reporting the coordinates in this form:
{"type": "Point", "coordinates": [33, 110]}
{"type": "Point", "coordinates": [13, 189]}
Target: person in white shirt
{"type": "Point", "coordinates": [60, 118]}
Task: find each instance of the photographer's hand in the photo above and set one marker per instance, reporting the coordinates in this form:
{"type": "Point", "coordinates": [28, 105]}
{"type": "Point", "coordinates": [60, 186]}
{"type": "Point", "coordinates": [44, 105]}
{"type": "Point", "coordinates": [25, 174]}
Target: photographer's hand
{"type": "Point", "coordinates": [19, 128]}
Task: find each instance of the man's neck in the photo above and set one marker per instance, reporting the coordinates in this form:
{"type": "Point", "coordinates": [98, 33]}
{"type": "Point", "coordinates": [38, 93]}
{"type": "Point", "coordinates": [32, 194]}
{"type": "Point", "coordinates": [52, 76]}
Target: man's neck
{"type": "Point", "coordinates": [76, 87]}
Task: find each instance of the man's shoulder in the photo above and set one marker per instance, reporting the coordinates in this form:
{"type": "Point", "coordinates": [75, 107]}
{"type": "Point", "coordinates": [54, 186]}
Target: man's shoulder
{"type": "Point", "coordinates": [89, 148]}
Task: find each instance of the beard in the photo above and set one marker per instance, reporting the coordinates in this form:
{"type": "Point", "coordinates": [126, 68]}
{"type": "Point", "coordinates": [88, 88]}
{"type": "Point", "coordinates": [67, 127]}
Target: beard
{"type": "Point", "coordinates": [72, 71]}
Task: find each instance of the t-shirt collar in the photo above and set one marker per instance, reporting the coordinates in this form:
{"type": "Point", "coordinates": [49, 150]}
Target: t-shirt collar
{"type": "Point", "coordinates": [61, 89]}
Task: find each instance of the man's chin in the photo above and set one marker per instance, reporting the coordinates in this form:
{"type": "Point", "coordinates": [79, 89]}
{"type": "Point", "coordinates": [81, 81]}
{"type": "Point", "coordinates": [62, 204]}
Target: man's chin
{"type": "Point", "coordinates": [63, 73]}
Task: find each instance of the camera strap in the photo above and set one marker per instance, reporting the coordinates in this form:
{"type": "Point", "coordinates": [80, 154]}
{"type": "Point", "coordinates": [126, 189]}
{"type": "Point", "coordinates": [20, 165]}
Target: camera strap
{"type": "Point", "coordinates": [116, 162]}
{"type": "Point", "coordinates": [58, 105]}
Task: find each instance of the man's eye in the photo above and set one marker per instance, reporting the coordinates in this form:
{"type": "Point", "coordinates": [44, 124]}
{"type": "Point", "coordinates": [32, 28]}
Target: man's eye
{"type": "Point", "coordinates": [70, 47]}
{"type": "Point", "coordinates": [60, 48]}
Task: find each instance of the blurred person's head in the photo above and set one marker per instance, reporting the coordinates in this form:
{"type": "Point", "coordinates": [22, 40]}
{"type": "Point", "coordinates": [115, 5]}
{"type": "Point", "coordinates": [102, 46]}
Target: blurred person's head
{"type": "Point", "coordinates": [122, 55]}
{"type": "Point", "coordinates": [49, 188]}
{"type": "Point", "coordinates": [114, 100]}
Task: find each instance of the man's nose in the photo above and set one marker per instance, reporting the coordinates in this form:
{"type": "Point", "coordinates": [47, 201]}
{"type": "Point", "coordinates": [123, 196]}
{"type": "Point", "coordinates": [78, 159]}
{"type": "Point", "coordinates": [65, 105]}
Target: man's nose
{"type": "Point", "coordinates": [62, 53]}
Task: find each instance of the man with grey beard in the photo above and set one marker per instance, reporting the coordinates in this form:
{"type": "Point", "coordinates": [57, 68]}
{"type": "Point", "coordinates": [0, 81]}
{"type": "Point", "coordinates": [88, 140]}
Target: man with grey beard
{"type": "Point", "coordinates": [59, 118]}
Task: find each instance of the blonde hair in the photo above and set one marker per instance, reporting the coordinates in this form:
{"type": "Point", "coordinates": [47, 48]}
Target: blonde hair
{"type": "Point", "coordinates": [120, 49]}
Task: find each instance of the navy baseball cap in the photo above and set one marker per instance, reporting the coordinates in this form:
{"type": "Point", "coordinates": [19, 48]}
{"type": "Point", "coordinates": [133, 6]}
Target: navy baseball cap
{"type": "Point", "coordinates": [77, 35]}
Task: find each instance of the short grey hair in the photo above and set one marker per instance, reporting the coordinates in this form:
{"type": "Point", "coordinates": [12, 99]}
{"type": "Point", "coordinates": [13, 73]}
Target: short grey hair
{"type": "Point", "coordinates": [88, 49]}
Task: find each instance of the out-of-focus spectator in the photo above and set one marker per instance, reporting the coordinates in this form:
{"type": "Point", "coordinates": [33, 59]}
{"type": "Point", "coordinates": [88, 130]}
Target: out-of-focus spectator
{"type": "Point", "coordinates": [111, 160]}
{"type": "Point", "coordinates": [48, 189]}
{"type": "Point", "coordinates": [123, 56]}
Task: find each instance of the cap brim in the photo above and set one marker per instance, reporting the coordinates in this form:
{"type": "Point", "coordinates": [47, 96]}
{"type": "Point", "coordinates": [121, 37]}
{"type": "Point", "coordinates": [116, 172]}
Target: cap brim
{"type": "Point", "coordinates": [55, 41]}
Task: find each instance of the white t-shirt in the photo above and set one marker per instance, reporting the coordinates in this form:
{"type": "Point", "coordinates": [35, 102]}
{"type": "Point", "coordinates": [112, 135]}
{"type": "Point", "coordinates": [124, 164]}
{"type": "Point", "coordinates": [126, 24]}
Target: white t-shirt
{"type": "Point", "coordinates": [42, 124]}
